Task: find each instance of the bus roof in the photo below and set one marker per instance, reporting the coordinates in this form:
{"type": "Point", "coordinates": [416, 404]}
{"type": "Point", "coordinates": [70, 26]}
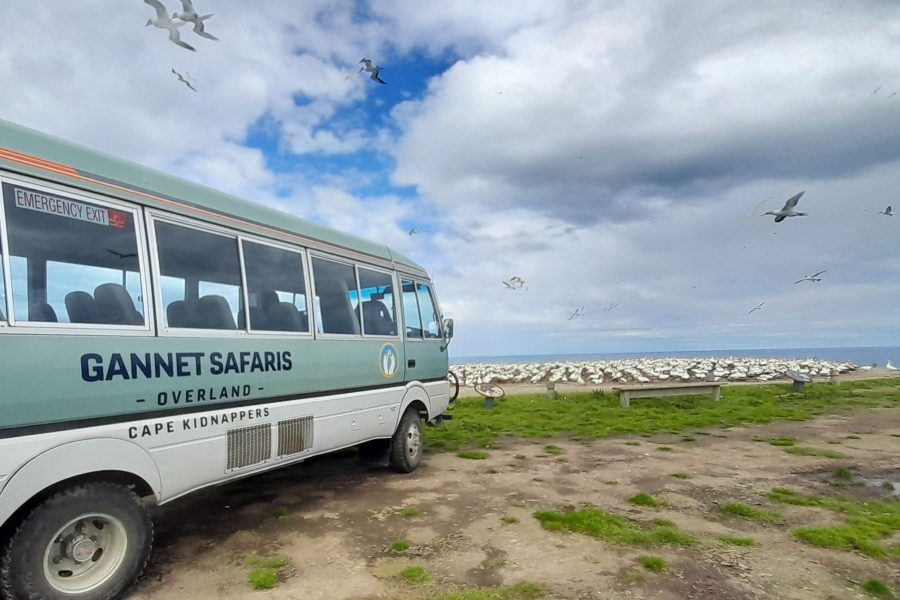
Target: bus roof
{"type": "Point", "coordinates": [31, 152]}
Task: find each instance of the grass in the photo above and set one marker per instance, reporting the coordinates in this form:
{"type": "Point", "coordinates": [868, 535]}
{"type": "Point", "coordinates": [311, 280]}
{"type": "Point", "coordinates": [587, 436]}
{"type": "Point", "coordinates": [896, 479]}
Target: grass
{"type": "Point", "coordinates": [737, 541]}
{"type": "Point", "coordinates": [473, 454]}
{"type": "Point", "coordinates": [843, 473]}
{"type": "Point", "coordinates": [783, 441]}
{"type": "Point", "coordinates": [523, 590]}
{"type": "Point", "coordinates": [416, 575]}
{"type": "Point", "coordinates": [614, 528]}
{"type": "Point", "coordinates": [808, 451]}
{"type": "Point", "coordinates": [519, 504]}
{"type": "Point", "coordinates": [681, 475]}
{"type": "Point", "coordinates": [281, 512]}
{"type": "Point", "coordinates": [688, 438]}
{"type": "Point", "coordinates": [655, 564]}
{"type": "Point", "coordinates": [411, 512]}
{"type": "Point", "coordinates": [645, 499]}
{"type": "Point", "coordinates": [633, 443]}
{"type": "Point", "coordinates": [866, 524]}
{"type": "Point", "coordinates": [745, 511]}
{"type": "Point", "coordinates": [266, 569]}
{"type": "Point", "coordinates": [878, 589]}
{"type": "Point", "coordinates": [492, 564]}
{"type": "Point", "coordinates": [664, 448]}
{"type": "Point", "coordinates": [509, 520]}
{"type": "Point", "coordinates": [589, 417]}
{"type": "Point", "coordinates": [400, 546]}
{"type": "Point", "coordinates": [553, 450]}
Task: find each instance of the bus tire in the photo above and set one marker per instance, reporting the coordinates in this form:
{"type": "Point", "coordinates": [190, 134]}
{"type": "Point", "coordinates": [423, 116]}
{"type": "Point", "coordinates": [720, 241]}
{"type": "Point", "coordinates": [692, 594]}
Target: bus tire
{"type": "Point", "coordinates": [87, 542]}
{"type": "Point", "coordinates": [406, 444]}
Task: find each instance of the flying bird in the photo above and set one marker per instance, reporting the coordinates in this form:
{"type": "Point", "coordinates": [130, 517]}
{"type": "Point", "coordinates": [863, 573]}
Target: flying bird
{"type": "Point", "coordinates": [610, 307]}
{"type": "Point", "coordinates": [412, 231]}
{"type": "Point", "coordinates": [183, 80]}
{"type": "Point", "coordinates": [121, 255]}
{"type": "Point", "coordinates": [757, 307]}
{"type": "Point", "coordinates": [509, 286]}
{"type": "Point", "coordinates": [892, 94]}
{"type": "Point", "coordinates": [163, 21]}
{"type": "Point", "coordinates": [876, 90]}
{"type": "Point", "coordinates": [517, 280]}
{"type": "Point", "coordinates": [189, 15]}
{"type": "Point", "coordinates": [370, 67]}
{"type": "Point", "coordinates": [813, 278]}
{"type": "Point", "coordinates": [576, 313]}
{"type": "Point", "coordinates": [787, 210]}
{"type": "Point", "coordinates": [887, 211]}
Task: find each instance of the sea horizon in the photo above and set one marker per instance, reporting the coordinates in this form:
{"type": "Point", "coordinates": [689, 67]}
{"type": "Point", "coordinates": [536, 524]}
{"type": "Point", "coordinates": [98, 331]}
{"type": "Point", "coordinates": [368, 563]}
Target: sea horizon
{"type": "Point", "coordinates": [859, 355]}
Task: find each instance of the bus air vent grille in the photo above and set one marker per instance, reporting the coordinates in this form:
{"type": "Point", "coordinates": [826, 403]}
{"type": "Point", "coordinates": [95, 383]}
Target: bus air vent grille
{"type": "Point", "coordinates": [295, 435]}
{"type": "Point", "coordinates": [249, 445]}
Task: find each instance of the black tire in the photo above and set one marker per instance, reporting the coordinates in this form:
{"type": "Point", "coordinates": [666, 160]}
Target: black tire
{"type": "Point", "coordinates": [406, 444]}
{"type": "Point", "coordinates": [101, 530]}
{"type": "Point", "coordinates": [454, 385]}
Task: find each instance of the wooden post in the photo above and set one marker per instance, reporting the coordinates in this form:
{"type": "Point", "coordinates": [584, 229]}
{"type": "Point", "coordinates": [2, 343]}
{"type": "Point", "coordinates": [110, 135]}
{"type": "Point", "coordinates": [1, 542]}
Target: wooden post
{"type": "Point", "coordinates": [551, 390]}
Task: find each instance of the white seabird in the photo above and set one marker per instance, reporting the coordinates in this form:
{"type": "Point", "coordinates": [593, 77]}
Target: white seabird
{"type": "Point", "coordinates": [577, 313]}
{"type": "Point", "coordinates": [370, 67]}
{"type": "Point", "coordinates": [163, 21]}
{"type": "Point", "coordinates": [788, 209]}
{"type": "Point", "coordinates": [189, 15]}
{"type": "Point", "coordinates": [887, 211]}
{"type": "Point", "coordinates": [757, 307]}
{"type": "Point", "coordinates": [183, 80]}
{"type": "Point", "coordinates": [813, 278]}
{"type": "Point", "coordinates": [890, 367]}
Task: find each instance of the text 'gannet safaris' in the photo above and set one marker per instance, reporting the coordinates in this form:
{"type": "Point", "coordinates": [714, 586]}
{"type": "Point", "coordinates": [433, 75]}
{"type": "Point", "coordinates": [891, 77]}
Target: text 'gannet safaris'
{"type": "Point", "coordinates": [370, 67]}
{"type": "Point", "coordinates": [163, 21]}
{"type": "Point", "coordinates": [189, 15]}
{"type": "Point", "coordinates": [813, 278]}
{"type": "Point", "coordinates": [887, 211]}
{"type": "Point", "coordinates": [788, 209]}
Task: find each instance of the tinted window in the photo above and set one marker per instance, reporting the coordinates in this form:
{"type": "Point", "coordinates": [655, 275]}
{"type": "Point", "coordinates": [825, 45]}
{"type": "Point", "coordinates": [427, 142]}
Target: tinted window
{"type": "Point", "coordinates": [201, 277]}
{"type": "Point", "coordinates": [2, 289]}
{"type": "Point", "coordinates": [411, 310]}
{"type": "Point", "coordinates": [432, 327]}
{"type": "Point", "coordinates": [276, 288]}
{"type": "Point", "coordinates": [71, 260]}
{"type": "Point", "coordinates": [336, 297]}
{"type": "Point", "coordinates": [377, 294]}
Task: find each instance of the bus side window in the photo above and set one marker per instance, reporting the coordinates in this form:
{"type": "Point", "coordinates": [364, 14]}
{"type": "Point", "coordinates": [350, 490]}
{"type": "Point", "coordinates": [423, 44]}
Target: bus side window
{"type": "Point", "coordinates": [377, 302]}
{"type": "Point", "coordinates": [411, 310]}
{"type": "Point", "coordinates": [432, 328]}
{"type": "Point", "coordinates": [208, 265]}
{"type": "Point", "coordinates": [68, 254]}
{"type": "Point", "coordinates": [277, 288]}
{"type": "Point", "coordinates": [337, 299]}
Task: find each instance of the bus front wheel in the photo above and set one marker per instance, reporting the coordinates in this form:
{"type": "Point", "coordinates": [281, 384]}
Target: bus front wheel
{"type": "Point", "coordinates": [88, 542]}
{"type": "Point", "coordinates": [406, 444]}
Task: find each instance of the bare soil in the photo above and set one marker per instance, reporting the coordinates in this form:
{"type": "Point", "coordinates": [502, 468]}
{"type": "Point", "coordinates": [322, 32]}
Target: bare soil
{"type": "Point", "coordinates": [342, 517]}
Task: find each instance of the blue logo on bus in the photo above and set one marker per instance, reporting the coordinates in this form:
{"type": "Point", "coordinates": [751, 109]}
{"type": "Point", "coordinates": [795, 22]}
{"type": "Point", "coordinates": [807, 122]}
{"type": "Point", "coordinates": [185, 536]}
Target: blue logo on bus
{"type": "Point", "coordinates": [390, 360]}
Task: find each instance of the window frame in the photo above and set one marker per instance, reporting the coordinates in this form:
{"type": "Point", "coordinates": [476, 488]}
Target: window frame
{"type": "Point", "coordinates": [154, 216]}
{"type": "Point", "coordinates": [310, 309]}
{"type": "Point", "coordinates": [57, 328]}
{"type": "Point", "coordinates": [362, 320]}
{"type": "Point", "coordinates": [312, 286]}
{"type": "Point", "coordinates": [416, 281]}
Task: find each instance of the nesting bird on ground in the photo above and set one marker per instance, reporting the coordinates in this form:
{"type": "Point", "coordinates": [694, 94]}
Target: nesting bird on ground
{"type": "Point", "coordinates": [183, 80]}
{"type": "Point", "coordinates": [788, 209]}
{"type": "Point", "coordinates": [370, 67]}
{"type": "Point", "coordinates": [890, 367]}
{"type": "Point", "coordinates": [163, 21]}
{"type": "Point", "coordinates": [887, 211]}
{"type": "Point", "coordinates": [757, 307]}
{"type": "Point", "coordinates": [189, 15]}
{"type": "Point", "coordinates": [813, 278]}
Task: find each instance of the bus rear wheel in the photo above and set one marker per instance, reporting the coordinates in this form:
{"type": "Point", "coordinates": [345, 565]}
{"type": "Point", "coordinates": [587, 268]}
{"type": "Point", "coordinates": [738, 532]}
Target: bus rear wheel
{"type": "Point", "coordinates": [406, 444]}
{"type": "Point", "coordinates": [88, 542]}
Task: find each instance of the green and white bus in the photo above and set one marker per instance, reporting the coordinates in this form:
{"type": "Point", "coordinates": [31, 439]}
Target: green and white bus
{"type": "Point", "coordinates": [158, 337]}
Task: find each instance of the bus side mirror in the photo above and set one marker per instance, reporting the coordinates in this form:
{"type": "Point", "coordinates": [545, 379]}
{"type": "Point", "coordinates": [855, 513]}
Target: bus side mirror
{"type": "Point", "coordinates": [448, 329]}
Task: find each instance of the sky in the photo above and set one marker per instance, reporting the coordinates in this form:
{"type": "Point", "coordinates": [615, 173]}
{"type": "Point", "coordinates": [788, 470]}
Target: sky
{"type": "Point", "coordinates": [615, 155]}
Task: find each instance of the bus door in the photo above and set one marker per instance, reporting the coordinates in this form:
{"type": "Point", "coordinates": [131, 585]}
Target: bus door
{"type": "Point", "coordinates": [426, 353]}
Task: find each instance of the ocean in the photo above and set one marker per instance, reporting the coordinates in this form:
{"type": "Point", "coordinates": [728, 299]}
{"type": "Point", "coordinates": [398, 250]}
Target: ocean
{"type": "Point", "coordinates": [863, 355]}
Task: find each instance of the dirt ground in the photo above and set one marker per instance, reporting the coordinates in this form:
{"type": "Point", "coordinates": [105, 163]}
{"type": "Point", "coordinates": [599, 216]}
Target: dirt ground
{"type": "Point", "coordinates": [340, 519]}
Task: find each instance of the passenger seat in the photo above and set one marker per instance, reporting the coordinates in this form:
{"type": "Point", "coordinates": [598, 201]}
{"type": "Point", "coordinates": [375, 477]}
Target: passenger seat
{"type": "Point", "coordinates": [115, 305]}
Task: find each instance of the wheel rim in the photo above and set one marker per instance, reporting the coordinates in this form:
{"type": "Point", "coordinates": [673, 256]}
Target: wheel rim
{"type": "Point", "coordinates": [85, 553]}
{"type": "Point", "coordinates": [413, 440]}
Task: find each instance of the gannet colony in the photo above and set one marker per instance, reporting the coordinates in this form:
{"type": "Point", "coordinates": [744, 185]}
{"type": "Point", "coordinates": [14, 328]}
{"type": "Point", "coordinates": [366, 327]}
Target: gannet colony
{"type": "Point", "coordinates": [645, 370]}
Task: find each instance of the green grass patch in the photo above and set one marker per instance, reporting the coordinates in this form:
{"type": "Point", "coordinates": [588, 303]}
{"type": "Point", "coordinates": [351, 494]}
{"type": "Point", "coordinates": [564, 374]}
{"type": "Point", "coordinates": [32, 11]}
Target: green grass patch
{"type": "Point", "coordinates": [400, 546]}
{"type": "Point", "coordinates": [614, 528]}
{"type": "Point", "coordinates": [808, 451]}
{"type": "Point", "coordinates": [878, 589]}
{"type": "Point", "coordinates": [843, 473]}
{"type": "Point", "coordinates": [655, 564]}
{"type": "Point", "coordinates": [519, 504]}
{"type": "Point", "coordinates": [783, 441]}
{"type": "Point", "coordinates": [509, 520]}
{"type": "Point", "coordinates": [411, 512]}
{"type": "Point", "coordinates": [645, 499]}
{"type": "Point", "coordinates": [589, 417]}
{"type": "Point", "coordinates": [281, 512]}
{"type": "Point", "coordinates": [416, 575]}
{"type": "Point", "coordinates": [681, 475]}
{"type": "Point", "coordinates": [745, 511]}
{"type": "Point", "coordinates": [633, 443]}
{"type": "Point", "coordinates": [688, 438]}
{"type": "Point", "coordinates": [492, 564]}
{"type": "Point", "coordinates": [523, 590]}
{"type": "Point", "coordinates": [866, 524]}
{"type": "Point", "coordinates": [737, 541]}
{"type": "Point", "coordinates": [473, 454]}
{"type": "Point", "coordinates": [263, 579]}
{"type": "Point", "coordinates": [664, 448]}
{"type": "Point", "coordinates": [553, 450]}
{"type": "Point", "coordinates": [266, 569]}
{"type": "Point", "coordinates": [267, 562]}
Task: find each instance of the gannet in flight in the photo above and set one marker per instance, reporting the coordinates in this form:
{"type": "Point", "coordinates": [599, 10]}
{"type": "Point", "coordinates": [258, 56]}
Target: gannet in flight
{"type": "Point", "coordinates": [163, 21]}
{"type": "Point", "coordinates": [183, 80]}
{"type": "Point", "coordinates": [370, 67]}
{"type": "Point", "coordinates": [887, 211]}
{"type": "Point", "coordinates": [757, 307]}
{"type": "Point", "coordinates": [813, 278]}
{"type": "Point", "coordinates": [189, 15]}
{"type": "Point", "coordinates": [787, 210]}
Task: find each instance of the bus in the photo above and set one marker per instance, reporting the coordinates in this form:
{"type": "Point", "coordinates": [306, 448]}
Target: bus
{"type": "Point", "coordinates": [158, 337]}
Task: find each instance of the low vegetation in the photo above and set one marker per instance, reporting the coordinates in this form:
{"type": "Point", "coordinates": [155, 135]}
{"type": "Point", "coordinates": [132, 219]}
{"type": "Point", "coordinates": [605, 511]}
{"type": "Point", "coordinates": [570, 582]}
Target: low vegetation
{"type": "Point", "coordinates": [655, 564]}
{"type": "Point", "coordinates": [745, 511]}
{"type": "Point", "coordinates": [509, 520]}
{"type": "Point", "coordinates": [737, 541]}
{"type": "Point", "coordinates": [266, 570]}
{"type": "Point", "coordinates": [615, 529]}
{"type": "Point", "coordinates": [521, 591]}
{"type": "Point", "coordinates": [807, 451]}
{"type": "Point", "coordinates": [783, 441]}
{"type": "Point", "coordinates": [645, 499]}
{"type": "Point", "coordinates": [416, 575]}
{"type": "Point", "coordinates": [588, 416]}
{"type": "Point", "coordinates": [553, 450]}
{"type": "Point", "coordinates": [473, 454]}
{"type": "Point", "coordinates": [878, 589]}
{"type": "Point", "coordinates": [681, 475]}
{"type": "Point", "coordinates": [411, 512]}
{"type": "Point", "coordinates": [400, 546]}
